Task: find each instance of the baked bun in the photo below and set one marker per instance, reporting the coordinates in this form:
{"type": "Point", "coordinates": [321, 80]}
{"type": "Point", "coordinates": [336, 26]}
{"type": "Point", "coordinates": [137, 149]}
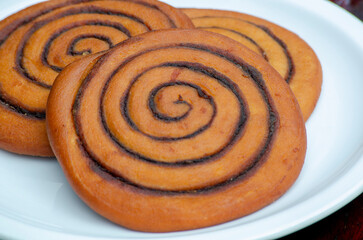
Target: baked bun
{"type": "Point", "coordinates": [38, 42]}
{"type": "Point", "coordinates": [175, 130]}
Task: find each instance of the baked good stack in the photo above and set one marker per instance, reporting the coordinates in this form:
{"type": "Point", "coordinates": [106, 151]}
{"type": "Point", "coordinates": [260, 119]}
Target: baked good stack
{"type": "Point", "coordinates": [171, 129]}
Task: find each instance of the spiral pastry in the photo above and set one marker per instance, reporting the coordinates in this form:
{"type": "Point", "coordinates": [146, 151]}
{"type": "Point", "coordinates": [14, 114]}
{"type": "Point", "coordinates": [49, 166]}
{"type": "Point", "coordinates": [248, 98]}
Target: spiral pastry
{"type": "Point", "coordinates": [285, 51]}
{"type": "Point", "coordinates": [38, 42]}
{"type": "Point", "coordinates": [175, 130]}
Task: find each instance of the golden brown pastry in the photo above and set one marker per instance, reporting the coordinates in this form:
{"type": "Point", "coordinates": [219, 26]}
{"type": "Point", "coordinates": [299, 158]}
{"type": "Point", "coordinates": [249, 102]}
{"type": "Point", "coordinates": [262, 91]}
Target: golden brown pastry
{"type": "Point", "coordinates": [174, 130]}
{"type": "Point", "coordinates": [38, 42]}
{"type": "Point", "coordinates": [285, 51]}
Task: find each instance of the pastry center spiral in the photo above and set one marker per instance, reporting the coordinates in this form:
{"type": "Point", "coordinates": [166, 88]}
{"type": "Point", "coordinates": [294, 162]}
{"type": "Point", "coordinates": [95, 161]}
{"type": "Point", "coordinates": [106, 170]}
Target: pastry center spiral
{"type": "Point", "coordinates": [174, 114]}
{"type": "Point", "coordinates": [175, 101]}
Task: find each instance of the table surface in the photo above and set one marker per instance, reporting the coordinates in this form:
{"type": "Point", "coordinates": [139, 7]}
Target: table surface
{"type": "Point", "coordinates": [346, 223]}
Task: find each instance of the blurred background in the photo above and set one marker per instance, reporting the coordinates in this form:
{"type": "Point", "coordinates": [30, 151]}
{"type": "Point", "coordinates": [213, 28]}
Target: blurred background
{"type": "Point", "coordinates": [353, 6]}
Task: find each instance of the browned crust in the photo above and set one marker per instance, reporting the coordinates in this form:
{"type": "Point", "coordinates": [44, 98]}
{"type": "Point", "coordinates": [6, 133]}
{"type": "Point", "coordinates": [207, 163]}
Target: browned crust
{"type": "Point", "coordinates": [145, 210]}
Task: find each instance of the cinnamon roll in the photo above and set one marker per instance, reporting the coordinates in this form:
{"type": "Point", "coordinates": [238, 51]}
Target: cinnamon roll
{"type": "Point", "coordinates": [174, 130]}
{"type": "Point", "coordinates": [38, 42]}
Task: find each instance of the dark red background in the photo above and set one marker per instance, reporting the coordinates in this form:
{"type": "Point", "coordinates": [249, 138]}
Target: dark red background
{"type": "Point", "coordinates": [346, 223]}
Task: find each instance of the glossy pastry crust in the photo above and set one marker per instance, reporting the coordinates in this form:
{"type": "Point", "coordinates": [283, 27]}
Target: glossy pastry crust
{"type": "Point", "coordinates": [38, 42]}
{"type": "Point", "coordinates": [175, 130]}
{"type": "Point", "coordinates": [291, 56]}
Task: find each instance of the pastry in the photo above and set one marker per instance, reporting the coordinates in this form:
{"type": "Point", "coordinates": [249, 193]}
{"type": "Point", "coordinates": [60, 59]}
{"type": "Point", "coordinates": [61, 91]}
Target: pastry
{"type": "Point", "coordinates": [38, 42]}
{"type": "Point", "coordinates": [174, 130]}
{"type": "Point", "coordinates": [285, 51]}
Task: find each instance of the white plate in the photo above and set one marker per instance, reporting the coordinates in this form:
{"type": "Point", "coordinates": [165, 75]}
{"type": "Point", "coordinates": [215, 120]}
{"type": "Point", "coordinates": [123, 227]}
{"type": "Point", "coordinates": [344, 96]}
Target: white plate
{"type": "Point", "coordinates": [36, 201]}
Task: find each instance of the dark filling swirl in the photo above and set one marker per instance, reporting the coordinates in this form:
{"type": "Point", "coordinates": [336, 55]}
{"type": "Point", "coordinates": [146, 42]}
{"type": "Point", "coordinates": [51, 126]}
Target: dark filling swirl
{"type": "Point", "coordinates": [282, 44]}
{"type": "Point", "coordinates": [166, 118]}
{"type": "Point", "coordinates": [74, 11]}
{"type": "Point", "coordinates": [31, 17]}
{"type": "Point", "coordinates": [222, 79]}
{"type": "Point", "coordinates": [71, 49]}
{"type": "Point", "coordinates": [257, 159]}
